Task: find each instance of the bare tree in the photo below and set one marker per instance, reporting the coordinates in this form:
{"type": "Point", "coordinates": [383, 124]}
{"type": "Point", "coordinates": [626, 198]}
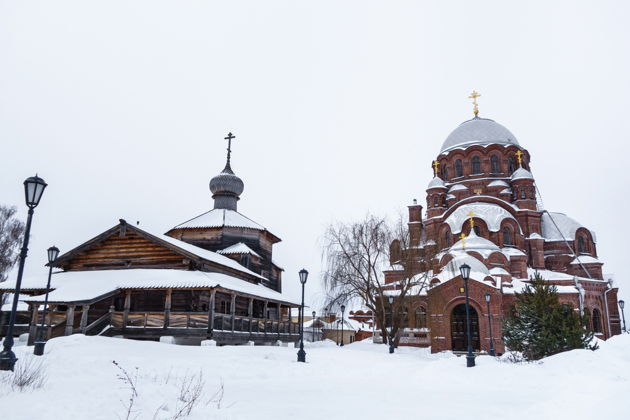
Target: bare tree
{"type": "Point", "coordinates": [11, 235]}
{"type": "Point", "coordinates": [357, 254]}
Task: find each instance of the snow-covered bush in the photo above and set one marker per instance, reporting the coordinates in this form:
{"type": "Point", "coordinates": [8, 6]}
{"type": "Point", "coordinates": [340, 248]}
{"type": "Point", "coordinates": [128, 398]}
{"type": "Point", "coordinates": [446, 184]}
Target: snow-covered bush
{"type": "Point", "coordinates": [29, 374]}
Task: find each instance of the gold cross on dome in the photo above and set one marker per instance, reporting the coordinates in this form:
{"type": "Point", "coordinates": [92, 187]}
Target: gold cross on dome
{"type": "Point", "coordinates": [519, 157]}
{"type": "Point", "coordinates": [436, 165]}
{"type": "Point", "coordinates": [463, 238]}
{"type": "Point", "coordinates": [474, 95]}
{"type": "Point", "coordinates": [471, 214]}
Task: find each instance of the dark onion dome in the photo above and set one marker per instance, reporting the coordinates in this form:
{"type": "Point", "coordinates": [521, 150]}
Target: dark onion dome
{"type": "Point", "coordinates": [480, 131]}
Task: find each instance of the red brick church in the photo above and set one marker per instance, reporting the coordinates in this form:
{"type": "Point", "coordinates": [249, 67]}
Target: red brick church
{"type": "Point", "coordinates": [484, 209]}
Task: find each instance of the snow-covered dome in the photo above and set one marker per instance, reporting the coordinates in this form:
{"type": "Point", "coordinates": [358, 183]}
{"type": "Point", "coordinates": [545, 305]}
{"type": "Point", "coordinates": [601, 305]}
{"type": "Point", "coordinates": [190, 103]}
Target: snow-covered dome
{"type": "Point", "coordinates": [436, 182]}
{"type": "Point", "coordinates": [478, 131]}
{"type": "Point", "coordinates": [522, 173]}
{"type": "Point", "coordinates": [475, 243]}
{"type": "Point", "coordinates": [226, 189]}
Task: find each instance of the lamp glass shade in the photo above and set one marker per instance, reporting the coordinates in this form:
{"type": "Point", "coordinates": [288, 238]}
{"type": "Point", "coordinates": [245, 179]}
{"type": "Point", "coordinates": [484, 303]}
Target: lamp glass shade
{"type": "Point", "coordinates": [622, 304]}
{"type": "Point", "coordinates": [313, 314]}
{"type": "Point", "coordinates": [487, 296]}
{"type": "Point", "coordinates": [465, 271]}
{"type": "Point", "coordinates": [33, 189]}
{"type": "Point", "coordinates": [303, 276]}
{"type": "Point", "coordinates": [53, 253]}
{"type": "Point", "coordinates": [343, 308]}
{"type": "Point", "coordinates": [391, 299]}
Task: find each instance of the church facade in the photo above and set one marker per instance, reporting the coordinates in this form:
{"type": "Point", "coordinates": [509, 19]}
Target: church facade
{"type": "Point", "coordinates": [211, 277]}
{"type": "Point", "coordinates": [483, 209]}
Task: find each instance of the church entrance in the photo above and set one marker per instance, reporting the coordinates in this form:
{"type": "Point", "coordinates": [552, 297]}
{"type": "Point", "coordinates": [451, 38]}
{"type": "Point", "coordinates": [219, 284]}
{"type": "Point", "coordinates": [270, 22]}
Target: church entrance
{"type": "Point", "coordinates": [459, 339]}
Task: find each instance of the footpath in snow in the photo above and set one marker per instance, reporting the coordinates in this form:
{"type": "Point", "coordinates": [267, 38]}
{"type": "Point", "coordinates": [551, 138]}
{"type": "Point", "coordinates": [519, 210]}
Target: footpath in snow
{"type": "Point", "coordinates": [357, 381]}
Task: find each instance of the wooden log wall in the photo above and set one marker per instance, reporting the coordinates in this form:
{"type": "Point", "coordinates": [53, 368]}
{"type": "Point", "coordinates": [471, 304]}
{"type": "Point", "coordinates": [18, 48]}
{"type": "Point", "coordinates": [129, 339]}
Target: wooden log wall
{"type": "Point", "coordinates": [126, 251]}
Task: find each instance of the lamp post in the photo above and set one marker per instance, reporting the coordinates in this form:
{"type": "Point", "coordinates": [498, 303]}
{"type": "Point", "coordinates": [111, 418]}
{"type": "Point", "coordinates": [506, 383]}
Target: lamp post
{"type": "Point", "coordinates": [301, 353]}
{"type": "Point", "coordinates": [313, 326]}
{"type": "Point", "coordinates": [391, 310]}
{"type": "Point", "coordinates": [40, 343]}
{"type": "Point", "coordinates": [33, 189]}
{"type": "Point", "coordinates": [470, 358]}
{"type": "Point", "coordinates": [491, 352]}
{"type": "Point", "coordinates": [343, 308]}
{"type": "Point", "coordinates": [623, 316]}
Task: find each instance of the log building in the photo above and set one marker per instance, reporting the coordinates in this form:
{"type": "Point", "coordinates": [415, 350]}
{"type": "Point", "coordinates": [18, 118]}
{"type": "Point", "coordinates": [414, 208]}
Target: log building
{"type": "Point", "coordinates": [211, 277]}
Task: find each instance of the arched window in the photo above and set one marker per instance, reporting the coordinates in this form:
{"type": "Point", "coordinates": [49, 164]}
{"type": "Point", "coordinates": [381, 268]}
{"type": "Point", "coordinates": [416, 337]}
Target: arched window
{"type": "Point", "coordinates": [507, 236]}
{"type": "Point", "coordinates": [476, 165]}
{"type": "Point", "coordinates": [443, 201]}
{"type": "Point", "coordinates": [597, 321]}
{"type": "Point", "coordinates": [477, 230]}
{"type": "Point", "coordinates": [447, 239]}
{"type": "Point", "coordinates": [523, 193]}
{"type": "Point", "coordinates": [581, 244]}
{"type": "Point", "coordinates": [445, 172]}
{"type": "Point", "coordinates": [436, 201]}
{"type": "Point", "coordinates": [515, 194]}
{"type": "Point", "coordinates": [459, 169]}
{"type": "Point", "coordinates": [511, 164]}
{"type": "Point", "coordinates": [421, 318]}
{"type": "Point", "coordinates": [494, 163]}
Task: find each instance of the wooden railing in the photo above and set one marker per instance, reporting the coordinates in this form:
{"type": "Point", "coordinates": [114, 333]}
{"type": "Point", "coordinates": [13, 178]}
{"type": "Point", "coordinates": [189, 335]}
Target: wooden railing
{"type": "Point", "coordinates": [199, 320]}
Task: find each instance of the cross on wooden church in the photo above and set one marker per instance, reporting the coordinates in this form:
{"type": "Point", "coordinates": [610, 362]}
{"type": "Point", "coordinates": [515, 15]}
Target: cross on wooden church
{"type": "Point", "coordinates": [229, 138]}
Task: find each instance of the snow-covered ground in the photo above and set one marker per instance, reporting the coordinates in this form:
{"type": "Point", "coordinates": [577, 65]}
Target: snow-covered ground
{"type": "Point", "coordinates": [356, 381]}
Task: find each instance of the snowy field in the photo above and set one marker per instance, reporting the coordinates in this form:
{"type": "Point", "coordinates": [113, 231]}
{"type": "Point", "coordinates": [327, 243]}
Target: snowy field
{"type": "Point", "coordinates": [358, 381]}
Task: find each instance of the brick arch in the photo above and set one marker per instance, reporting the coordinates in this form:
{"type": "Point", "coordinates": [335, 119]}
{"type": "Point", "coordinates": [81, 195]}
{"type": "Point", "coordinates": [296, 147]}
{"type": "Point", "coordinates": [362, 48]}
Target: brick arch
{"type": "Point", "coordinates": [588, 237]}
{"type": "Point", "coordinates": [474, 199]}
{"type": "Point", "coordinates": [448, 312]}
{"type": "Point", "coordinates": [516, 231]}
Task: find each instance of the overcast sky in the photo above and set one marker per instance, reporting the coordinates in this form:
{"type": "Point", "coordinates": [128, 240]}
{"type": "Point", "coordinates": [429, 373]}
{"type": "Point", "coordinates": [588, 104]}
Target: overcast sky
{"type": "Point", "coordinates": [339, 107]}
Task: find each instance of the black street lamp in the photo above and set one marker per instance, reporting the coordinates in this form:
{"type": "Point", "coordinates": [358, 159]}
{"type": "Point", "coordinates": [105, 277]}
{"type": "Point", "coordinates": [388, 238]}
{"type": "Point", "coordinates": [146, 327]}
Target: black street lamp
{"type": "Point", "coordinates": [492, 352]}
{"type": "Point", "coordinates": [623, 316]}
{"type": "Point", "coordinates": [470, 357]}
{"type": "Point", "coordinates": [33, 189]}
{"type": "Point", "coordinates": [391, 325]}
{"type": "Point", "coordinates": [40, 343]}
{"type": "Point", "coordinates": [313, 326]}
{"type": "Point", "coordinates": [343, 308]}
{"type": "Point", "coordinates": [301, 353]}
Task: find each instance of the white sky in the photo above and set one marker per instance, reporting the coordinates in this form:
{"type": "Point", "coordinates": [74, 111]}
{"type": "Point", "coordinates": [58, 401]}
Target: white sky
{"type": "Point", "coordinates": [339, 108]}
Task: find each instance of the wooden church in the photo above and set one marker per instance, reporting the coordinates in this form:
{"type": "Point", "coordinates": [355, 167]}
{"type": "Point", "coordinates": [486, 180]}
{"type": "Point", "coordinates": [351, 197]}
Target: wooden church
{"type": "Point", "coordinates": [211, 277]}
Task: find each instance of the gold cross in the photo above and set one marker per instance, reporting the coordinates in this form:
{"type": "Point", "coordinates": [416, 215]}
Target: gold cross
{"type": "Point", "coordinates": [463, 238]}
{"type": "Point", "coordinates": [471, 214]}
{"type": "Point", "coordinates": [519, 157]}
{"type": "Point", "coordinates": [436, 164]}
{"type": "Point", "coordinates": [474, 95]}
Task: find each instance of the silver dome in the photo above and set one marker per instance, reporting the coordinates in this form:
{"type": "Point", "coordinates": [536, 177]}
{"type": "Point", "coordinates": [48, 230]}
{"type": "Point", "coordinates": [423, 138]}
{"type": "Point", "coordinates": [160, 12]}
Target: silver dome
{"type": "Point", "coordinates": [478, 131]}
{"type": "Point", "coordinates": [226, 183]}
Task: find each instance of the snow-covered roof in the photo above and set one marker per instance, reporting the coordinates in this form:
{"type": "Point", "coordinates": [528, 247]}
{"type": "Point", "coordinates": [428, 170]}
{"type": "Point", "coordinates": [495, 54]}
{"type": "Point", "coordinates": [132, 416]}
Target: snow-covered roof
{"type": "Point", "coordinates": [498, 183]}
{"type": "Point", "coordinates": [585, 259]}
{"type": "Point", "coordinates": [220, 218]}
{"type": "Point", "coordinates": [436, 182]}
{"type": "Point", "coordinates": [567, 227]}
{"type": "Point", "coordinates": [535, 236]}
{"type": "Point", "coordinates": [205, 254]}
{"type": "Point", "coordinates": [239, 248]}
{"type": "Point", "coordinates": [474, 243]}
{"type": "Point", "coordinates": [450, 196]}
{"type": "Point", "coordinates": [478, 270]}
{"type": "Point", "coordinates": [509, 251]}
{"type": "Point", "coordinates": [457, 187]}
{"type": "Point", "coordinates": [492, 214]}
{"type": "Point", "coordinates": [506, 191]}
{"type": "Point", "coordinates": [75, 286]}
{"type": "Point", "coordinates": [495, 271]}
{"type": "Point", "coordinates": [522, 173]}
